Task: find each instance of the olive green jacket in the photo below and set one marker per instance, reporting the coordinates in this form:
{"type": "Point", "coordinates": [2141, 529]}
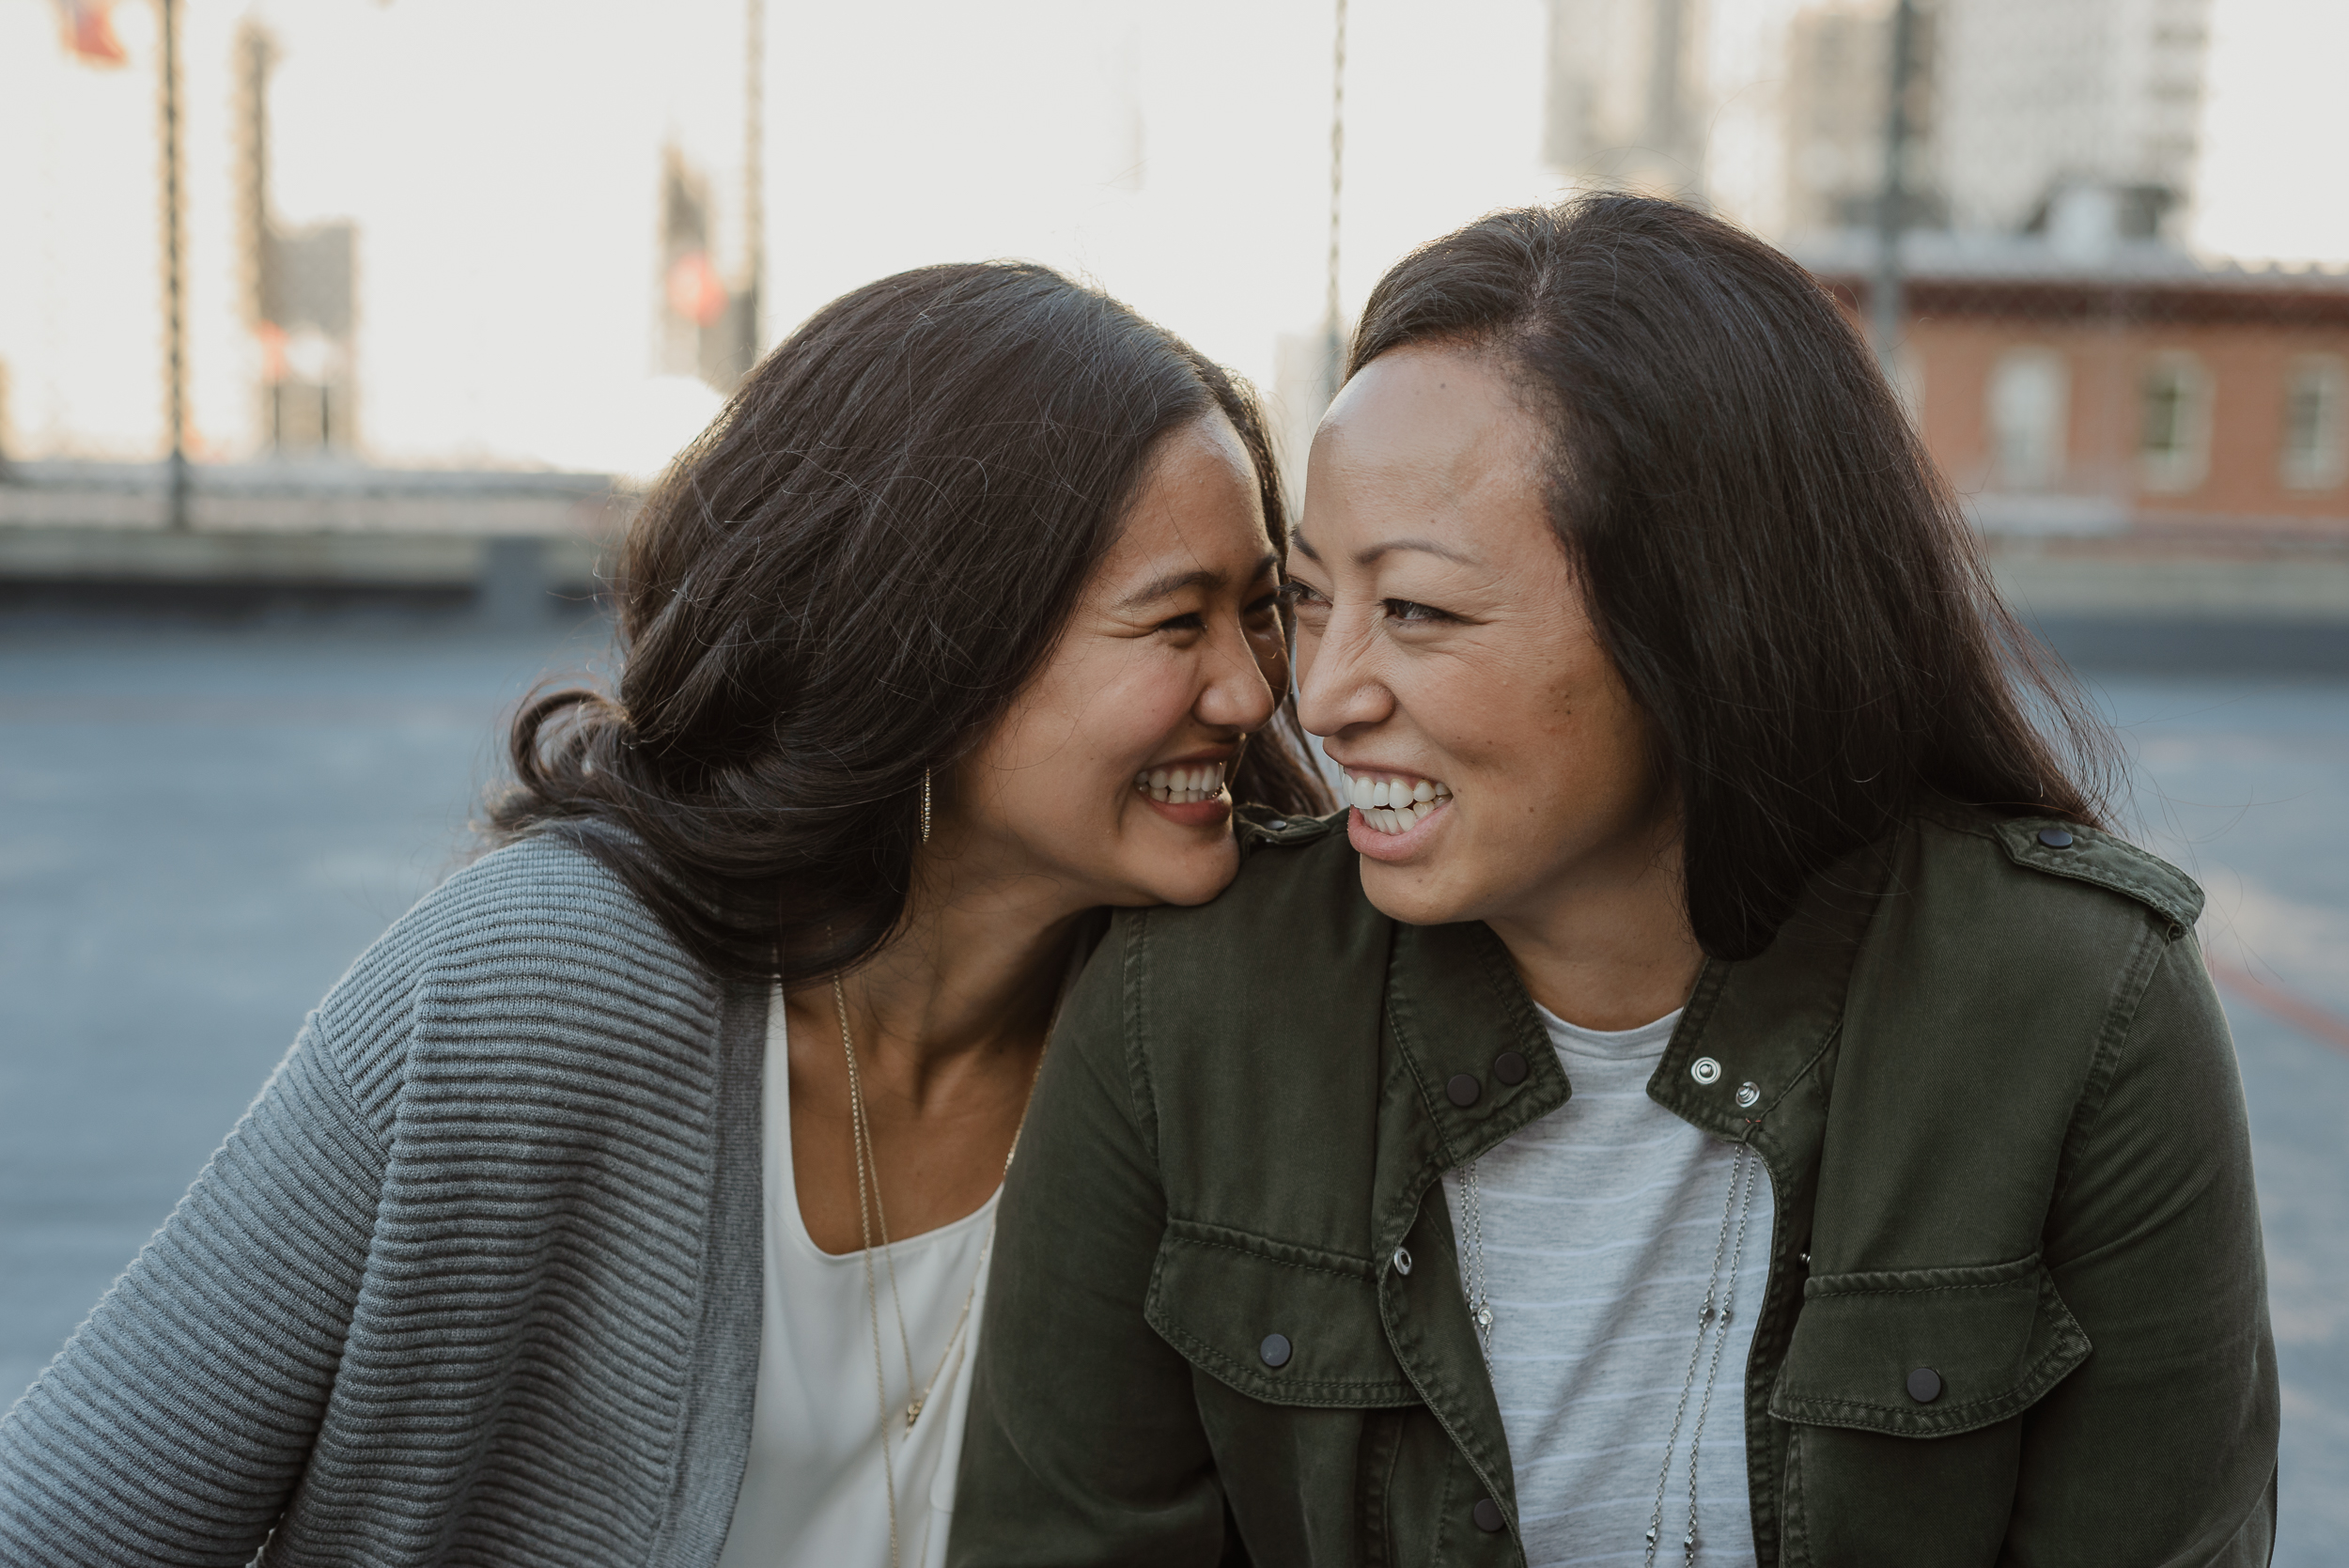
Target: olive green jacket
{"type": "Point", "coordinates": [2006, 1142]}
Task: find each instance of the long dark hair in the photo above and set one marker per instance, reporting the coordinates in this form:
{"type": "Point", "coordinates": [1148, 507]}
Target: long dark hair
{"type": "Point", "coordinates": [844, 581]}
{"type": "Point", "coordinates": [1768, 554]}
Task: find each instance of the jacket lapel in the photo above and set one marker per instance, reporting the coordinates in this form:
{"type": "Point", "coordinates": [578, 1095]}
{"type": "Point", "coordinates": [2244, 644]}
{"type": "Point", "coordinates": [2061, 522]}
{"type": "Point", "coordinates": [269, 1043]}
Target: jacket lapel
{"type": "Point", "coordinates": [1453, 1006]}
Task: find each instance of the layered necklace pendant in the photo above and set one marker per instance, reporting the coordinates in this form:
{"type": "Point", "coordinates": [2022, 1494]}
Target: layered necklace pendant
{"type": "Point", "coordinates": [1712, 1320]}
{"type": "Point", "coordinates": [871, 1219]}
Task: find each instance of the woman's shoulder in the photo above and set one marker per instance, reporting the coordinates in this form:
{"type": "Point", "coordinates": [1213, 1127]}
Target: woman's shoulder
{"type": "Point", "coordinates": [535, 902]}
{"type": "Point", "coordinates": [2049, 881]}
{"type": "Point", "coordinates": [1297, 900]}
{"type": "Point", "coordinates": [536, 938]}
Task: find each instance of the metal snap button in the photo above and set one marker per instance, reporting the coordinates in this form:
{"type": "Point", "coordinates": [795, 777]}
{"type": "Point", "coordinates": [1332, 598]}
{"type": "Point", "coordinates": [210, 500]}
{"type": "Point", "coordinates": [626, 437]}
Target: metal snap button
{"type": "Point", "coordinates": [1277, 824]}
{"type": "Point", "coordinates": [1487, 1516]}
{"type": "Point", "coordinates": [1511, 1067]}
{"type": "Point", "coordinates": [1924, 1385]}
{"type": "Point", "coordinates": [1464, 1090]}
{"type": "Point", "coordinates": [1705, 1070]}
{"type": "Point", "coordinates": [1401, 1259]}
{"type": "Point", "coordinates": [2055, 838]}
{"type": "Point", "coordinates": [1749, 1095]}
{"type": "Point", "coordinates": [1275, 1350]}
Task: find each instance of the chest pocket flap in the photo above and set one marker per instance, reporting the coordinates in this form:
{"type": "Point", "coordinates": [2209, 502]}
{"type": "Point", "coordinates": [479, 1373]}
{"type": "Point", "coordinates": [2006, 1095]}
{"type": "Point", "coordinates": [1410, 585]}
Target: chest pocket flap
{"type": "Point", "coordinates": [1926, 1352]}
{"type": "Point", "coordinates": [1280, 1323]}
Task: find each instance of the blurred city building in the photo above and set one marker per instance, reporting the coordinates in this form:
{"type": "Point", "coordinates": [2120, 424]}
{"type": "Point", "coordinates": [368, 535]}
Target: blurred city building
{"type": "Point", "coordinates": [1835, 102]}
{"type": "Point", "coordinates": [2138, 431]}
{"type": "Point", "coordinates": [298, 288]}
{"type": "Point", "coordinates": [2073, 119]}
{"type": "Point", "coordinates": [1624, 101]}
{"type": "Point", "coordinates": [2035, 97]}
{"type": "Point", "coordinates": [2135, 431]}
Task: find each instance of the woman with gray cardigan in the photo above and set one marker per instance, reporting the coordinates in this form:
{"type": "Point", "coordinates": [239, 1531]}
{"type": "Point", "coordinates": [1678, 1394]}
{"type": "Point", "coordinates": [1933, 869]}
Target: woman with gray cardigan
{"type": "Point", "coordinates": [630, 1202]}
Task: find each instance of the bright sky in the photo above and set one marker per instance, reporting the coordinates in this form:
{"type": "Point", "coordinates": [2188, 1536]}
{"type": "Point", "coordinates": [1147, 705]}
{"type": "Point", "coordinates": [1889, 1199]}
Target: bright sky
{"type": "Point", "coordinates": [501, 159]}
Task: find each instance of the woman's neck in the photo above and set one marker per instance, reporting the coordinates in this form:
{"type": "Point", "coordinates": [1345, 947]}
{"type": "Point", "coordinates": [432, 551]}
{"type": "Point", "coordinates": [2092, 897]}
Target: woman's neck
{"type": "Point", "coordinates": [969, 979]}
{"type": "Point", "coordinates": [1611, 949]}
{"type": "Point", "coordinates": [949, 1022]}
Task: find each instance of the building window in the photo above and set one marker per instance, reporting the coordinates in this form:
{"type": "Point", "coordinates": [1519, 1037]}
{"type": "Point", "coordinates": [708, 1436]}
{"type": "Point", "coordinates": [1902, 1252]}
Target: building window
{"type": "Point", "coordinates": [2175, 445]}
{"type": "Point", "coordinates": [2316, 395]}
{"type": "Point", "coordinates": [2031, 412]}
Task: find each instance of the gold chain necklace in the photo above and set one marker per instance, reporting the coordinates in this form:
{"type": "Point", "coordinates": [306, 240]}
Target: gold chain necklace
{"type": "Point", "coordinates": [870, 1217]}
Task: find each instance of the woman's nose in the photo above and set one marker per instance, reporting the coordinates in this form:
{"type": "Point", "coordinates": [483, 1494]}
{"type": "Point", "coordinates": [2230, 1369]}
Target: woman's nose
{"type": "Point", "coordinates": [1239, 695]}
{"type": "Point", "coordinates": [1335, 691]}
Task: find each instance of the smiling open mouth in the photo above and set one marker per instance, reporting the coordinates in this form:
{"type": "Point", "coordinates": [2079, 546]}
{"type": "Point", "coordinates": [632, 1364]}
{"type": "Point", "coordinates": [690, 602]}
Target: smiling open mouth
{"type": "Point", "coordinates": [1392, 803]}
{"type": "Point", "coordinates": [1182, 786]}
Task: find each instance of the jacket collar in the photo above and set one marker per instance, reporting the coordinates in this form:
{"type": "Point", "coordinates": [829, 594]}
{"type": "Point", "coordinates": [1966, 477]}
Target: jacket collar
{"type": "Point", "coordinates": [1745, 1062]}
{"type": "Point", "coordinates": [1454, 1005]}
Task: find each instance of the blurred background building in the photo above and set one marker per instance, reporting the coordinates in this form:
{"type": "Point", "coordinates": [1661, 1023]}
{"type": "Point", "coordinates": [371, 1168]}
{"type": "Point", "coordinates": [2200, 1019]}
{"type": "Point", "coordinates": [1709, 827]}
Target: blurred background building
{"type": "Point", "coordinates": [301, 296]}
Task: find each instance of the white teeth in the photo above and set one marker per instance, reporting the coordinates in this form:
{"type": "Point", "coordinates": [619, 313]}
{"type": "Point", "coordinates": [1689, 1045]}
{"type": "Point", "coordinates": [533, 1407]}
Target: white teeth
{"type": "Point", "coordinates": [1182, 786]}
{"type": "Point", "coordinates": [1394, 805]}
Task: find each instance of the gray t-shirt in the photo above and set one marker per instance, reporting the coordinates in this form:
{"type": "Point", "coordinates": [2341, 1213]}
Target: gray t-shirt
{"type": "Point", "coordinates": [1600, 1225]}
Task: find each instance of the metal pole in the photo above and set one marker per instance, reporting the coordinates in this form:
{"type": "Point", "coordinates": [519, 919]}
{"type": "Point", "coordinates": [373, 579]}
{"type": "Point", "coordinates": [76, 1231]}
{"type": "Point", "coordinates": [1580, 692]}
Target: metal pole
{"type": "Point", "coordinates": [1885, 305]}
{"type": "Point", "coordinates": [175, 288]}
{"type": "Point", "coordinates": [753, 166]}
{"type": "Point", "coordinates": [1333, 347]}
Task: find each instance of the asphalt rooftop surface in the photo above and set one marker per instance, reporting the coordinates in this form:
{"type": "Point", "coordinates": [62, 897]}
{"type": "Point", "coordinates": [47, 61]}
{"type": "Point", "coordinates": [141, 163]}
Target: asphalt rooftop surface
{"type": "Point", "coordinates": [202, 824]}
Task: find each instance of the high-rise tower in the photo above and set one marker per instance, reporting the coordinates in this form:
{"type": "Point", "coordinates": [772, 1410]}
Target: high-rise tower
{"type": "Point", "coordinates": [1624, 105]}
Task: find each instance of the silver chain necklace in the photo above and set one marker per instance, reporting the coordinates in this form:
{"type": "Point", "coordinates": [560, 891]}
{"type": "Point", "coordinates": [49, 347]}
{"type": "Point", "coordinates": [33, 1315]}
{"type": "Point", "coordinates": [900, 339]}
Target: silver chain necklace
{"type": "Point", "coordinates": [1712, 1320]}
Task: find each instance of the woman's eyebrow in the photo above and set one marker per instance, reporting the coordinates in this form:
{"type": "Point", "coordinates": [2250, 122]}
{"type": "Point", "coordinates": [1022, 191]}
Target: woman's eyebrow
{"type": "Point", "coordinates": [1364, 557]}
{"type": "Point", "coordinates": [1198, 577]}
{"type": "Point", "coordinates": [1428, 547]}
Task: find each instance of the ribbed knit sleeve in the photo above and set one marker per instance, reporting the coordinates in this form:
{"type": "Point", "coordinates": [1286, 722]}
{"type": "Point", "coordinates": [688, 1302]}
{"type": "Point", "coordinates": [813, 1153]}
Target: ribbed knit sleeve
{"type": "Point", "coordinates": [174, 1425]}
{"type": "Point", "coordinates": [475, 1281]}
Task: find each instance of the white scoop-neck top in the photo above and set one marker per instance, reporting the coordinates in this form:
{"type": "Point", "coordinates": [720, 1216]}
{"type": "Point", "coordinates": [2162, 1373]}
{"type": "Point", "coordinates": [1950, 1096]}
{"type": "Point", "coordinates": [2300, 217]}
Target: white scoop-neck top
{"type": "Point", "coordinates": [813, 1491]}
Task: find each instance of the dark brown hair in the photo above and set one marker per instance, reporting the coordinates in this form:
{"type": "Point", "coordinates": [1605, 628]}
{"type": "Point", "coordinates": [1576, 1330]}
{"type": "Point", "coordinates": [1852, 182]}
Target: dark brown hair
{"type": "Point", "coordinates": [1768, 554]}
{"type": "Point", "coordinates": [844, 581]}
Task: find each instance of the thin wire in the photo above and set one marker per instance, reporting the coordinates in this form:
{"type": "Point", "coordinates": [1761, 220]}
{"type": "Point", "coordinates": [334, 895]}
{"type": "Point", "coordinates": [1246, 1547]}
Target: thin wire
{"type": "Point", "coordinates": [1332, 318]}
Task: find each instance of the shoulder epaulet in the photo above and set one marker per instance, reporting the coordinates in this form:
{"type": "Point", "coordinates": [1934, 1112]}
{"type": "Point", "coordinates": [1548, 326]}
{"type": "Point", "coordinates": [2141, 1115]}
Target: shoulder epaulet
{"type": "Point", "coordinates": [1261, 825]}
{"type": "Point", "coordinates": [2062, 849]}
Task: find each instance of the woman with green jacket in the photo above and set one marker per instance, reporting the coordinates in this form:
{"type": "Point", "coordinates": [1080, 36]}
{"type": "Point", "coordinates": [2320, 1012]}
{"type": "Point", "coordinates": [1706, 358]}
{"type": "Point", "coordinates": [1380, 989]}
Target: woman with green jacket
{"type": "Point", "coordinates": [1723, 1094]}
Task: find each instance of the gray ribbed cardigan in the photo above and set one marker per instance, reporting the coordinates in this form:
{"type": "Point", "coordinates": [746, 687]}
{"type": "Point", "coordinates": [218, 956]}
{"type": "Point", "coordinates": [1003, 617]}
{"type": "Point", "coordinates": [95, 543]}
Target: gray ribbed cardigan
{"type": "Point", "coordinates": [476, 1281]}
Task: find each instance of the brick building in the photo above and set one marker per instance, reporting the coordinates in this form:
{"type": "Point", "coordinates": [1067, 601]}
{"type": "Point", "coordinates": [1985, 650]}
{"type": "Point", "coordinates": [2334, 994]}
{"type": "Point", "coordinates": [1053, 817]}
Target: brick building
{"type": "Point", "coordinates": [2136, 392]}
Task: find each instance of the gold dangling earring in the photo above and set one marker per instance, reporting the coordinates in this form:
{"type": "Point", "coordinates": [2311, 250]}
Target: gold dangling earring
{"type": "Point", "coordinates": [925, 805]}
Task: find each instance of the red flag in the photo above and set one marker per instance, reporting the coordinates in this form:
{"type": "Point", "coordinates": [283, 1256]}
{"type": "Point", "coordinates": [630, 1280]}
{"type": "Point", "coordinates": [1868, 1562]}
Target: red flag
{"type": "Point", "coordinates": [89, 28]}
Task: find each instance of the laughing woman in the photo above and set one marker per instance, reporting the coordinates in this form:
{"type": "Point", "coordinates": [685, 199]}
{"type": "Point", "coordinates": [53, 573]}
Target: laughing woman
{"type": "Point", "coordinates": [631, 1200]}
{"type": "Point", "coordinates": [1722, 1097]}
